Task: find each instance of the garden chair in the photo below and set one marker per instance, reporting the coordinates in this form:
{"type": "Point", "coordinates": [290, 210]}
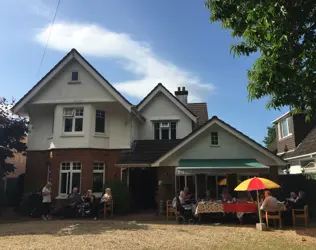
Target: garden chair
{"type": "Point", "coordinates": [170, 210]}
{"type": "Point", "coordinates": [108, 208]}
{"type": "Point", "coordinates": [300, 214]}
{"type": "Point", "coordinates": [273, 215]}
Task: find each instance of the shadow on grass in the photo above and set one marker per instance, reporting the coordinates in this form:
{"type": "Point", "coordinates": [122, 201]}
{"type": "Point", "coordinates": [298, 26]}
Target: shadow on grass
{"type": "Point", "coordinates": [67, 227]}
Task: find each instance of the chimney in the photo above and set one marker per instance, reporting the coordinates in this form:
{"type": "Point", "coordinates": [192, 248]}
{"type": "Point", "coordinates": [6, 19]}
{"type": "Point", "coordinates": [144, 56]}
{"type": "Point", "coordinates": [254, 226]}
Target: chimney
{"type": "Point", "coordinates": [182, 95]}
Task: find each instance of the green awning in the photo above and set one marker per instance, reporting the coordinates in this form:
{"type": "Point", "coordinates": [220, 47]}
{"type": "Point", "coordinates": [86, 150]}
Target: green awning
{"type": "Point", "coordinates": [219, 163]}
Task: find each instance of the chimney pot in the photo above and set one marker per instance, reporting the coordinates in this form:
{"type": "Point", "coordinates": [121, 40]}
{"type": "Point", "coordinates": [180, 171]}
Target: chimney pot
{"type": "Point", "coordinates": [183, 88]}
{"type": "Point", "coordinates": [179, 88]}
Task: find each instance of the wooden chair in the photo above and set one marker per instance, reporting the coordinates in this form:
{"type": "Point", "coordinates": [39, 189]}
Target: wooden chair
{"type": "Point", "coordinates": [108, 207]}
{"type": "Point", "coordinates": [303, 214]}
{"type": "Point", "coordinates": [170, 210]}
{"type": "Point", "coordinates": [273, 217]}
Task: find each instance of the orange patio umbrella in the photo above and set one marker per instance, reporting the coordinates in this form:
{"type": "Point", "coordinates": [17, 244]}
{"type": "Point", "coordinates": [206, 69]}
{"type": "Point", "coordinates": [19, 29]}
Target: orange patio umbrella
{"type": "Point", "coordinates": [256, 184]}
{"type": "Point", "coordinates": [222, 182]}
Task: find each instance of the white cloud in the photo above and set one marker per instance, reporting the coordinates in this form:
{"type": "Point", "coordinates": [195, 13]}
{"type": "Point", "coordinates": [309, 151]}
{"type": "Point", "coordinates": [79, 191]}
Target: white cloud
{"type": "Point", "coordinates": [137, 57]}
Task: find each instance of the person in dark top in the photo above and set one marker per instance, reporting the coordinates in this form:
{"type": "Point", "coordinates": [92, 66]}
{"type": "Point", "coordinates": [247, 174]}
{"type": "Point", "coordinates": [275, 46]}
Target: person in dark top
{"type": "Point", "coordinates": [72, 201]}
{"type": "Point", "coordinates": [300, 202]}
{"type": "Point", "coordinates": [90, 198]}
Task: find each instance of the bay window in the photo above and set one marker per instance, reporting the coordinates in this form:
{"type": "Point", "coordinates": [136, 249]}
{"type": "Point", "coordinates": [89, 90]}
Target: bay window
{"type": "Point", "coordinates": [70, 177]}
{"type": "Point", "coordinates": [165, 130]}
{"type": "Point", "coordinates": [73, 119]}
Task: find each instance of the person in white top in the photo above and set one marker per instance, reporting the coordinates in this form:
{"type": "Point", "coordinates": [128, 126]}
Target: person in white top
{"type": "Point", "coordinates": [47, 199]}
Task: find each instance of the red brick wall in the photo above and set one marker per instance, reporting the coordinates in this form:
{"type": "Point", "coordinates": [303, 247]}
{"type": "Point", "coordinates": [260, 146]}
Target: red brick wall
{"type": "Point", "coordinates": [167, 189]}
{"type": "Point", "coordinates": [36, 170]}
{"type": "Point", "coordinates": [37, 166]}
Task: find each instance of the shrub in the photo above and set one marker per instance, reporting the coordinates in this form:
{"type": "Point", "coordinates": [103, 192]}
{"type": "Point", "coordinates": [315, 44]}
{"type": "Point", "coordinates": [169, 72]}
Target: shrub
{"type": "Point", "coordinates": [121, 196]}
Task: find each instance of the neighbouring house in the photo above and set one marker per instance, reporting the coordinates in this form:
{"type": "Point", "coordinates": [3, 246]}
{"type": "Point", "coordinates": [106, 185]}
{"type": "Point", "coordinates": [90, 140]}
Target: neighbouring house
{"type": "Point", "coordinates": [296, 143]}
{"type": "Point", "coordinates": [84, 132]}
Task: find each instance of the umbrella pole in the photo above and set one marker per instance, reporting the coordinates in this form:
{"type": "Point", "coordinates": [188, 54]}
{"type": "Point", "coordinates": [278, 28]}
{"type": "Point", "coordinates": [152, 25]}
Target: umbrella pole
{"type": "Point", "coordinates": [260, 219]}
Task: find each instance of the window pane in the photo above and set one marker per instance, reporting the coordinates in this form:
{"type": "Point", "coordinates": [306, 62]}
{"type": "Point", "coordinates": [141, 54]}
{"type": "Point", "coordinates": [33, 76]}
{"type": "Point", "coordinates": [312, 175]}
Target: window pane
{"type": "Point", "coordinates": [214, 138]}
{"type": "Point", "coordinates": [180, 184]}
{"type": "Point", "coordinates": [211, 186]}
{"type": "Point", "coordinates": [63, 183]}
{"type": "Point", "coordinates": [99, 125]}
{"type": "Point", "coordinates": [285, 130]}
{"type": "Point", "coordinates": [164, 134]}
{"type": "Point", "coordinates": [75, 181]}
{"type": "Point", "coordinates": [68, 112]}
{"type": "Point", "coordinates": [156, 131]}
{"type": "Point", "coordinates": [79, 112]}
{"type": "Point", "coordinates": [78, 124]}
{"type": "Point", "coordinates": [98, 182]}
{"type": "Point", "coordinates": [75, 76]}
{"type": "Point", "coordinates": [68, 125]}
{"type": "Point", "coordinates": [191, 184]}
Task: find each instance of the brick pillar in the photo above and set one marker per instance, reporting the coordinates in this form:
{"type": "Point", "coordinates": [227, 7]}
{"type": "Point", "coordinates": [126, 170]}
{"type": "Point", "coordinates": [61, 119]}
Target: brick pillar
{"type": "Point", "coordinates": [86, 172]}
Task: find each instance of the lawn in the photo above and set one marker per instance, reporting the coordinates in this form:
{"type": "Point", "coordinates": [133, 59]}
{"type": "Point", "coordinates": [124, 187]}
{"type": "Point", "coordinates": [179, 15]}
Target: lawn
{"type": "Point", "coordinates": [62, 234]}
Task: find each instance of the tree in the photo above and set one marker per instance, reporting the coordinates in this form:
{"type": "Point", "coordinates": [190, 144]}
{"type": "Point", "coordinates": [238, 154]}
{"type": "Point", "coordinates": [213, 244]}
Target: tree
{"type": "Point", "coordinates": [270, 138]}
{"type": "Point", "coordinates": [13, 130]}
{"type": "Point", "coordinates": [284, 33]}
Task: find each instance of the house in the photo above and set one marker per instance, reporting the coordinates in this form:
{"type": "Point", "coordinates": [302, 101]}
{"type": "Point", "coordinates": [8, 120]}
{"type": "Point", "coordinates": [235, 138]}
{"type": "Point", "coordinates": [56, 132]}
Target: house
{"type": "Point", "coordinates": [84, 132]}
{"type": "Point", "coordinates": [296, 142]}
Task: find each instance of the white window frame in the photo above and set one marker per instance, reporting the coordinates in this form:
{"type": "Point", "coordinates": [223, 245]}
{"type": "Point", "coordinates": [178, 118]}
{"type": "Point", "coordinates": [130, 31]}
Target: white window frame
{"type": "Point", "coordinates": [74, 116]}
{"type": "Point", "coordinates": [164, 125]}
{"type": "Point", "coordinates": [69, 171]}
{"type": "Point", "coordinates": [214, 145]}
{"type": "Point", "coordinates": [71, 80]}
{"type": "Point", "coordinates": [99, 171]}
{"type": "Point", "coordinates": [280, 128]}
{"type": "Point", "coordinates": [99, 110]}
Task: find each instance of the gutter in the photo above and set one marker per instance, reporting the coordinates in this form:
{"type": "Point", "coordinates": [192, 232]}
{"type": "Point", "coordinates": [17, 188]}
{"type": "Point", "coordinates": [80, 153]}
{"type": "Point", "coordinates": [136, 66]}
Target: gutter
{"type": "Point", "coordinates": [301, 156]}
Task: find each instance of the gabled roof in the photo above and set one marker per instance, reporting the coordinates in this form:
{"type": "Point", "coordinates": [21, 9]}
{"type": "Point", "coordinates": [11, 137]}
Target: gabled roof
{"type": "Point", "coordinates": [228, 128]}
{"type": "Point", "coordinates": [146, 151]}
{"type": "Point", "coordinates": [162, 89]}
{"type": "Point", "coordinates": [200, 111]}
{"type": "Point", "coordinates": [73, 54]}
{"type": "Point", "coordinates": [289, 113]}
{"type": "Point", "coordinates": [307, 146]}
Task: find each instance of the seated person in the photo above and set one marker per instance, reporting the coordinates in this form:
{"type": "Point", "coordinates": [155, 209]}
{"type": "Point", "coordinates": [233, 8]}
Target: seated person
{"type": "Point", "coordinates": [245, 197]}
{"type": "Point", "coordinates": [90, 198]}
{"type": "Point", "coordinates": [72, 201]}
{"type": "Point", "coordinates": [270, 203]}
{"type": "Point", "coordinates": [226, 195]}
{"type": "Point", "coordinates": [300, 202]}
{"type": "Point", "coordinates": [182, 198]}
{"type": "Point", "coordinates": [106, 199]}
{"type": "Point", "coordinates": [290, 201]}
{"type": "Point", "coordinates": [187, 195]}
{"type": "Point", "coordinates": [208, 195]}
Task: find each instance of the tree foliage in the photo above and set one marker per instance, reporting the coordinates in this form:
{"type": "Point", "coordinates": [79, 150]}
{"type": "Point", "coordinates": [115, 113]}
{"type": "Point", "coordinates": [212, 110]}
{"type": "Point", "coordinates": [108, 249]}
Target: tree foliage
{"type": "Point", "coordinates": [13, 130]}
{"type": "Point", "coordinates": [284, 33]}
{"type": "Point", "coordinates": [271, 136]}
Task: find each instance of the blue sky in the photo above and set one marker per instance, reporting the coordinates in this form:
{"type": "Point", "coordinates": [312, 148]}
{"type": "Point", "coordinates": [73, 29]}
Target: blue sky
{"type": "Point", "coordinates": [134, 45]}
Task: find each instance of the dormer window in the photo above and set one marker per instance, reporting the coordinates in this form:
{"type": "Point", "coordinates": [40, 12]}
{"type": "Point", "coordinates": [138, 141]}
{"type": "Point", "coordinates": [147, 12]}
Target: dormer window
{"type": "Point", "coordinates": [284, 130]}
{"type": "Point", "coordinates": [165, 130]}
{"type": "Point", "coordinates": [75, 76]}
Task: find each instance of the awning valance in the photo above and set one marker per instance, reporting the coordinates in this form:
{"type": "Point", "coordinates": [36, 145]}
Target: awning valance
{"type": "Point", "coordinates": [207, 166]}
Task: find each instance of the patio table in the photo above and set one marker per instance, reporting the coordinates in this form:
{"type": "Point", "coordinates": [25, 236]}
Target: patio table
{"type": "Point", "coordinates": [213, 207]}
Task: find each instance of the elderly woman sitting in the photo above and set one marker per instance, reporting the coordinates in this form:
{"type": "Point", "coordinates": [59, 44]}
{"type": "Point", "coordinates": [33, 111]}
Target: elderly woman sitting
{"type": "Point", "coordinates": [107, 200]}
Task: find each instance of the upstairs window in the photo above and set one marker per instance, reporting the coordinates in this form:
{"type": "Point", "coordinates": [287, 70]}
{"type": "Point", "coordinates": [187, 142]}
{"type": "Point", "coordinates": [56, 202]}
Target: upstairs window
{"type": "Point", "coordinates": [165, 130]}
{"type": "Point", "coordinates": [73, 119]}
{"type": "Point", "coordinates": [284, 128]}
{"type": "Point", "coordinates": [99, 121]}
{"type": "Point", "coordinates": [214, 139]}
{"type": "Point", "coordinates": [74, 76]}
